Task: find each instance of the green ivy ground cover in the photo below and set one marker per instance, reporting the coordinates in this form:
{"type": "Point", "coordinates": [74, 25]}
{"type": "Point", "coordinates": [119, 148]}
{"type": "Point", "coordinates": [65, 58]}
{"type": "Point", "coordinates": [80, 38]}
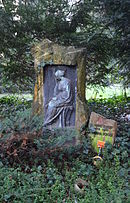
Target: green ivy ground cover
{"type": "Point", "coordinates": [51, 178]}
{"type": "Point", "coordinates": [48, 184]}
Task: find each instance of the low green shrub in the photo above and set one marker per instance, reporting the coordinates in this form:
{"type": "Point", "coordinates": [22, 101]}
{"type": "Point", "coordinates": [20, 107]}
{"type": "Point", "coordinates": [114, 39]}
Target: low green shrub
{"type": "Point", "coordinates": [113, 107]}
{"type": "Point", "coordinates": [21, 149]}
{"type": "Point", "coordinates": [9, 105]}
{"type": "Point", "coordinates": [21, 122]}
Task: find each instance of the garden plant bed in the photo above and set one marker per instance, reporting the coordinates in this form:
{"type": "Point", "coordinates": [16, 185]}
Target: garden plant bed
{"type": "Point", "coordinates": [51, 178]}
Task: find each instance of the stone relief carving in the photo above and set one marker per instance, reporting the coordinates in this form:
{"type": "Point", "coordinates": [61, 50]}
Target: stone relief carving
{"type": "Point", "coordinates": [60, 107]}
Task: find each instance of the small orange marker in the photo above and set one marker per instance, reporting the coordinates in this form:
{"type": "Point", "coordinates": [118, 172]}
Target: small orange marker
{"type": "Point", "coordinates": [100, 144]}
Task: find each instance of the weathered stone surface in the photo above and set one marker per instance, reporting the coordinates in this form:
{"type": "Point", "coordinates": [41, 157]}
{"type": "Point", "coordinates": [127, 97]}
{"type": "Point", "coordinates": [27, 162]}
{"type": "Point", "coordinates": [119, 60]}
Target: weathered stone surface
{"type": "Point", "coordinates": [48, 52]}
{"type": "Point", "coordinates": [99, 123]}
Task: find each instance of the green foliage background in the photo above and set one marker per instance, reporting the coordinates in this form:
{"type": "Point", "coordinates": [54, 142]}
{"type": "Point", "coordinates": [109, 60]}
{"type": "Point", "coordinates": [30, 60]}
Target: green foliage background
{"type": "Point", "coordinates": [100, 26]}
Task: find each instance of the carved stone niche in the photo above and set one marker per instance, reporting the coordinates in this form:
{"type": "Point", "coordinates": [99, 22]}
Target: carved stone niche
{"type": "Point", "coordinates": [68, 63]}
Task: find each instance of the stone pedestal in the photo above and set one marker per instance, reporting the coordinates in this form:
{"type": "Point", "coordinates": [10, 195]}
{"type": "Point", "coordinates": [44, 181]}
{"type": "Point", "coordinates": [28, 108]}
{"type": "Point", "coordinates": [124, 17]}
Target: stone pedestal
{"type": "Point", "coordinates": [48, 53]}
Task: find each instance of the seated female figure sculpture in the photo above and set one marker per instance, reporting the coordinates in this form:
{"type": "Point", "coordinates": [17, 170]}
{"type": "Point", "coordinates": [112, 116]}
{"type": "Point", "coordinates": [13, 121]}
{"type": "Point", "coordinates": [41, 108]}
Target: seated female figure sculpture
{"type": "Point", "coordinates": [58, 110]}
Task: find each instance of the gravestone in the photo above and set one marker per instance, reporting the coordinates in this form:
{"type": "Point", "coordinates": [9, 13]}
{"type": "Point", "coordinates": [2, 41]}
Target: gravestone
{"type": "Point", "coordinates": [101, 129]}
{"type": "Point", "coordinates": [59, 92]}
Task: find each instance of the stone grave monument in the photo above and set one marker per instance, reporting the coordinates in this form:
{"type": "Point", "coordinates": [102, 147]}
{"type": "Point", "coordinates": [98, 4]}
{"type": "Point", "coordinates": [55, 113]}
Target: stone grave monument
{"type": "Point", "coordinates": [59, 92]}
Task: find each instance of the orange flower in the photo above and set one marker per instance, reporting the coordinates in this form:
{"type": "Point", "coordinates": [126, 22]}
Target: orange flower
{"type": "Point", "coordinates": [100, 144]}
